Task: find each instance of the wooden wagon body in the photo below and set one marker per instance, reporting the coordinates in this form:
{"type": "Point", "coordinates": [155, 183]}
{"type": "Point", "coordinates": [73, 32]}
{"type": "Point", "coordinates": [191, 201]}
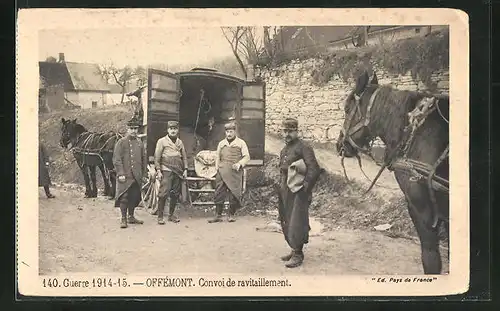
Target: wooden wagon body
{"type": "Point", "coordinates": [202, 101]}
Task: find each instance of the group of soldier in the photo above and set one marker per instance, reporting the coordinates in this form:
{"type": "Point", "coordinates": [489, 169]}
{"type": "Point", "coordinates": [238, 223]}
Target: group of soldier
{"type": "Point", "coordinates": [170, 162]}
{"type": "Point", "coordinates": [299, 171]}
{"type": "Point", "coordinates": [297, 158]}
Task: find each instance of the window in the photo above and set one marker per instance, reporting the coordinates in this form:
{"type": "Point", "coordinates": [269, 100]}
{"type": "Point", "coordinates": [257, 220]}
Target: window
{"type": "Point", "coordinates": [94, 104]}
{"type": "Point", "coordinates": [417, 30]}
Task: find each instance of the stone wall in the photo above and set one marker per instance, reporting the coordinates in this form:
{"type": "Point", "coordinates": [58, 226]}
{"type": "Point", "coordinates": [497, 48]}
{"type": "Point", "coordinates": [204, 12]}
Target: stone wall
{"type": "Point", "coordinates": [319, 109]}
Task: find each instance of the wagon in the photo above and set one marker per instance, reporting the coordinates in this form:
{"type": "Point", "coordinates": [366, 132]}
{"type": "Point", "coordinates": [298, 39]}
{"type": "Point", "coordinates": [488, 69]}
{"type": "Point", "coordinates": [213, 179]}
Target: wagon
{"type": "Point", "coordinates": [202, 101]}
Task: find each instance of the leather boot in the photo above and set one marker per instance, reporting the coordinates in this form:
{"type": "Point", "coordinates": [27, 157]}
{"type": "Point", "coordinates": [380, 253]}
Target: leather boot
{"type": "Point", "coordinates": [47, 192]}
{"type": "Point", "coordinates": [123, 210]}
{"type": "Point", "coordinates": [232, 211]}
{"type": "Point", "coordinates": [171, 209]}
{"type": "Point", "coordinates": [218, 216]}
{"type": "Point", "coordinates": [131, 218]}
{"type": "Point", "coordinates": [287, 257]}
{"type": "Point", "coordinates": [296, 260]}
{"type": "Point", "coordinates": [161, 208]}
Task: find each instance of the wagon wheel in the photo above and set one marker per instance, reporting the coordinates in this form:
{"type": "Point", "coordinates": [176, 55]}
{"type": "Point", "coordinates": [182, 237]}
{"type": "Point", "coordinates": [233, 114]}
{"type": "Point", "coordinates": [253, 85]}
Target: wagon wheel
{"type": "Point", "coordinates": [149, 192]}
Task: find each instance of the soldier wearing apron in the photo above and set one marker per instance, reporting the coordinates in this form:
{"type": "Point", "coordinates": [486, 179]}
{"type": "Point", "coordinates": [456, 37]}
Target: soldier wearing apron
{"type": "Point", "coordinates": [232, 156]}
{"type": "Point", "coordinates": [294, 212]}
{"type": "Point", "coordinates": [171, 167]}
{"type": "Point", "coordinates": [129, 159]}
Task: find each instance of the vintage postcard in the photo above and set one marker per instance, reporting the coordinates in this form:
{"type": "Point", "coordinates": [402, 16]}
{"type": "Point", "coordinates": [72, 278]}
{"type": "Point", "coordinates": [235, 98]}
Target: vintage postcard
{"type": "Point", "coordinates": [242, 152]}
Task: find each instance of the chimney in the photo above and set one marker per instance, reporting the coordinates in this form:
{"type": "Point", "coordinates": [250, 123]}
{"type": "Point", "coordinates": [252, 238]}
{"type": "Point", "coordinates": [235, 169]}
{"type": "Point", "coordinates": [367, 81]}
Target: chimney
{"type": "Point", "coordinates": [61, 57]}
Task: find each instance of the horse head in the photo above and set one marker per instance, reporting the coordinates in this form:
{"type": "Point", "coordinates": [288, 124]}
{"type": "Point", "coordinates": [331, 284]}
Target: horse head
{"type": "Point", "coordinates": [355, 136]}
{"type": "Point", "coordinates": [70, 130]}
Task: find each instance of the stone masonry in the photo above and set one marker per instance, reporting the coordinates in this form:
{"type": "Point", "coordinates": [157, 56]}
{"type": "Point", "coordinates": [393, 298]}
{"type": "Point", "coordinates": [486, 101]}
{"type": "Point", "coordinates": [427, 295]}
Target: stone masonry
{"type": "Point", "coordinates": [319, 109]}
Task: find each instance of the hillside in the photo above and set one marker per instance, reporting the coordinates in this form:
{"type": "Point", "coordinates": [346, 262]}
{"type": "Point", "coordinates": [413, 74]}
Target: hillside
{"type": "Point", "coordinates": [63, 167]}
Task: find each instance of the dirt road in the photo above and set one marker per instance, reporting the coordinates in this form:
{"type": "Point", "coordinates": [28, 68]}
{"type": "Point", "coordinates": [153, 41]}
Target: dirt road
{"type": "Point", "coordinates": [80, 235]}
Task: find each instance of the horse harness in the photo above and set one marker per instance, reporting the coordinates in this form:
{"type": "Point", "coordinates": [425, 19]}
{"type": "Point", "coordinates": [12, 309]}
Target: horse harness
{"type": "Point", "coordinates": [93, 152]}
{"type": "Point", "coordinates": [347, 130]}
{"type": "Point", "coordinates": [398, 158]}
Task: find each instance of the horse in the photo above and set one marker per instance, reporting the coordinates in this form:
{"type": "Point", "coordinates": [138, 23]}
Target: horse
{"type": "Point", "coordinates": [90, 150]}
{"type": "Point", "coordinates": [414, 127]}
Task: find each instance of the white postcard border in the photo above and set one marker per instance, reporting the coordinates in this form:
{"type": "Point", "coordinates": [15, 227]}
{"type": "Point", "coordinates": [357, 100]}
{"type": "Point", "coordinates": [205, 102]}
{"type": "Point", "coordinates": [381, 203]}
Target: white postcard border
{"type": "Point", "coordinates": [30, 21]}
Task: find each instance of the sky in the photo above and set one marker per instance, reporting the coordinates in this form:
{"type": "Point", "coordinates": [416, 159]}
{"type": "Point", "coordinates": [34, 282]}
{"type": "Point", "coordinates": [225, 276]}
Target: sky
{"type": "Point", "coordinates": [136, 46]}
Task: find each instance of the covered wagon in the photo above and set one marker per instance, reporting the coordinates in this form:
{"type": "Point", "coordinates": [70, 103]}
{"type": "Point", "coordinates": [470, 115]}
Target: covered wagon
{"type": "Point", "coordinates": [202, 101]}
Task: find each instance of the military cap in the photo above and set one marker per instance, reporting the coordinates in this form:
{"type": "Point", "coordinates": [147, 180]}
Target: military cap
{"type": "Point", "coordinates": [133, 123]}
{"type": "Point", "coordinates": [290, 124]}
{"type": "Point", "coordinates": [173, 124]}
{"type": "Point", "coordinates": [230, 126]}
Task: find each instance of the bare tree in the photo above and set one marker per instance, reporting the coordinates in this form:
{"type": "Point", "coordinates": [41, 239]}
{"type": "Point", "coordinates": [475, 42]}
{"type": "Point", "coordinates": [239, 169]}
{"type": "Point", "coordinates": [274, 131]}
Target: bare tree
{"type": "Point", "coordinates": [268, 44]}
{"type": "Point", "coordinates": [141, 75]}
{"type": "Point", "coordinates": [308, 34]}
{"type": "Point", "coordinates": [359, 36]}
{"type": "Point", "coordinates": [234, 36]}
{"type": "Point", "coordinates": [245, 45]}
{"type": "Point", "coordinates": [273, 44]}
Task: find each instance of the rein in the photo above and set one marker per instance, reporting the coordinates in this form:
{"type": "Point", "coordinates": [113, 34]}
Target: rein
{"type": "Point", "coordinates": [75, 149]}
{"type": "Point", "coordinates": [399, 155]}
{"type": "Point", "coordinates": [347, 131]}
{"type": "Point", "coordinates": [91, 136]}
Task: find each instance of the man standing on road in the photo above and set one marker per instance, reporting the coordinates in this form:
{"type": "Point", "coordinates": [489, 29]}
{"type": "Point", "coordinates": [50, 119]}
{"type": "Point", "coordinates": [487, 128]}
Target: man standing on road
{"type": "Point", "coordinates": [129, 159]}
{"type": "Point", "coordinates": [232, 156]}
{"type": "Point", "coordinates": [43, 170]}
{"type": "Point", "coordinates": [299, 171]}
{"type": "Point", "coordinates": [171, 167]}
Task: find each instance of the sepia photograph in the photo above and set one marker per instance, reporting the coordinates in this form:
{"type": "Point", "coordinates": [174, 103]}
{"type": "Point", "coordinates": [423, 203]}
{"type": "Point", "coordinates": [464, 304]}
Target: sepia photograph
{"type": "Point", "coordinates": [219, 157]}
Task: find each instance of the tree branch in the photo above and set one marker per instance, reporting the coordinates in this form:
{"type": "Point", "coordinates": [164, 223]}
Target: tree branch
{"type": "Point", "coordinates": [306, 30]}
{"type": "Point", "coordinates": [113, 73]}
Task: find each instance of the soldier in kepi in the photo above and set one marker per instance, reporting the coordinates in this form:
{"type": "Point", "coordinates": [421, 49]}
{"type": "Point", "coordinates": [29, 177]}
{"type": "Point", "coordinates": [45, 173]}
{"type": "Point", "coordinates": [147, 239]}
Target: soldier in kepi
{"type": "Point", "coordinates": [171, 167]}
{"type": "Point", "coordinates": [232, 156]}
{"type": "Point", "coordinates": [299, 172]}
{"type": "Point", "coordinates": [129, 159]}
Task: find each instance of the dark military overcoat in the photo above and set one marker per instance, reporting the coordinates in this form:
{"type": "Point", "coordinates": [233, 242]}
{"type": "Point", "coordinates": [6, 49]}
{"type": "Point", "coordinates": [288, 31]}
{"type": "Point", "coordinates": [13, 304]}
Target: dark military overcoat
{"type": "Point", "coordinates": [129, 159]}
{"type": "Point", "coordinates": [294, 214]}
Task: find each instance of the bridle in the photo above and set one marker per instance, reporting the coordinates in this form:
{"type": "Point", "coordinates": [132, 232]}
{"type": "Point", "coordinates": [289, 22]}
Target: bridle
{"type": "Point", "coordinates": [348, 131]}
{"type": "Point", "coordinates": [402, 146]}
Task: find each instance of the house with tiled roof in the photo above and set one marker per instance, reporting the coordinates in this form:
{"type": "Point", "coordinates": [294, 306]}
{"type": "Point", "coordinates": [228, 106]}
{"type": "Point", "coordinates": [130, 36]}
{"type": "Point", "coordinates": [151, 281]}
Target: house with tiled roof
{"type": "Point", "coordinates": [80, 83]}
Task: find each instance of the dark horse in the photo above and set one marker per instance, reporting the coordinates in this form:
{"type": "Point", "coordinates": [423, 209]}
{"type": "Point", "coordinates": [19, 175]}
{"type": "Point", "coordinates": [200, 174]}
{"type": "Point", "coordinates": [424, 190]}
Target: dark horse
{"type": "Point", "coordinates": [91, 150]}
{"type": "Point", "coordinates": [373, 110]}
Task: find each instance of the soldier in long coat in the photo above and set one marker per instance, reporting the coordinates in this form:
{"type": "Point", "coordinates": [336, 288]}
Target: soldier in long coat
{"type": "Point", "coordinates": [294, 210]}
{"type": "Point", "coordinates": [129, 159]}
{"type": "Point", "coordinates": [232, 156]}
{"type": "Point", "coordinates": [171, 166]}
{"type": "Point", "coordinates": [43, 170]}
